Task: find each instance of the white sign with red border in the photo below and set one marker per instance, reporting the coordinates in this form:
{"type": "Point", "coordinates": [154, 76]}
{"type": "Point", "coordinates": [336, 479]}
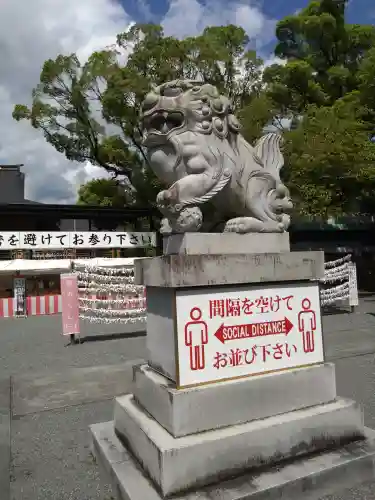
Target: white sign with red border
{"type": "Point", "coordinates": [225, 333]}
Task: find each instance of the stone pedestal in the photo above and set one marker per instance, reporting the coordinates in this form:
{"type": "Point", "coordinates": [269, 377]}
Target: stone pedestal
{"type": "Point", "coordinates": [185, 271]}
{"type": "Point", "coordinates": [235, 386]}
{"type": "Point", "coordinates": [232, 243]}
{"type": "Point", "coordinates": [310, 477]}
{"type": "Point", "coordinates": [196, 409]}
{"type": "Point", "coordinates": [179, 464]}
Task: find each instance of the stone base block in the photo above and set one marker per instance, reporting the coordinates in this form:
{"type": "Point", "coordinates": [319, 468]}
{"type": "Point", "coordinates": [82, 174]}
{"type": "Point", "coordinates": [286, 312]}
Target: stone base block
{"type": "Point", "coordinates": [225, 243]}
{"type": "Point", "coordinates": [179, 464]}
{"type": "Point", "coordinates": [309, 477]}
{"type": "Point", "coordinates": [197, 409]}
{"type": "Point", "coordinates": [178, 271]}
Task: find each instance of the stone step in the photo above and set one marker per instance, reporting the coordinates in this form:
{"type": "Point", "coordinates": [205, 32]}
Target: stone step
{"type": "Point", "coordinates": [206, 407]}
{"type": "Point", "coordinates": [308, 477]}
{"type": "Point", "coordinates": [178, 464]}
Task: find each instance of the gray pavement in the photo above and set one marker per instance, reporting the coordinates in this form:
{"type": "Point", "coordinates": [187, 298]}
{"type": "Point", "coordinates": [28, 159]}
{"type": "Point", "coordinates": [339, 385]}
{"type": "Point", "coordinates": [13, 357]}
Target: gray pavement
{"type": "Point", "coordinates": [35, 345]}
{"type": "Point", "coordinates": [53, 391]}
{"type": "Point", "coordinates": [5, 448]}
{"type": "Point", "coordinates": [50, 393]}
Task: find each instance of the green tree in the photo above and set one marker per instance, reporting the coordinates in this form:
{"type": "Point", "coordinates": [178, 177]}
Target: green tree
{"type": "Point", "coordinates": [323, 55]}
{"type": "Point", "coordinates": [324, 92]}
{"type": "Point", "coordinates": [91, 111]}
{"type": "Point", "coordinates": [330, 161]}
{"type": "Point", "coordinates": [367, 89]}
{"type": "Point", "coordinates": [105, 193]}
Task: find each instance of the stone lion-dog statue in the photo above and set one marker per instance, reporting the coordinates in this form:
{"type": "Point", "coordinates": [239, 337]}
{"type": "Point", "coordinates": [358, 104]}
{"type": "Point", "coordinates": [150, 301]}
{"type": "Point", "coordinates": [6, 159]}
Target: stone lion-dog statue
{"type": "Point", "coordinates": [195, 147]}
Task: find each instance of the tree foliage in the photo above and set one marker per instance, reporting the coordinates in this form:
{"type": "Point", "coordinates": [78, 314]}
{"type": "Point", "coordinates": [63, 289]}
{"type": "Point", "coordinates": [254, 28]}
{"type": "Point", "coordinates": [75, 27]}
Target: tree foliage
{"type": "Point", "coordinates": [324, 93]}
{"type": "Point", "coordinates": [322, 53]}
{"type": "Point", "coordinates": [90, 111]}
{"type": "Point", "coordinates": [322, 98]}
{"type": "Point", "coordinates": [330, 160]}
{"type": "Point", "coordinates": [105, 193]}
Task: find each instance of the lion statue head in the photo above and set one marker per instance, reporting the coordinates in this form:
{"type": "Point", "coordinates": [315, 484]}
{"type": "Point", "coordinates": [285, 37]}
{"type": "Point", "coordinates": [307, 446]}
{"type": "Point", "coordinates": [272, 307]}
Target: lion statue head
{"type": "Point", "coordinates": [178, 117]}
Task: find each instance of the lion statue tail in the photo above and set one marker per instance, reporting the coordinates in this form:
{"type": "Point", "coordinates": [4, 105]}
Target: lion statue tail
{"type": "Point", "coordinates": [268, 150]}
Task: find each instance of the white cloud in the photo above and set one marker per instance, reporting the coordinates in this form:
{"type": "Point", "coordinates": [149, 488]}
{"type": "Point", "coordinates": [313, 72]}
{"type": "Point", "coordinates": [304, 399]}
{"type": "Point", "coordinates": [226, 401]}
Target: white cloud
{"type": "Point", "coordinates": [46, 28]}
{"type": "Point", "coordinates": [274, 60]}
{"type": "Point", "coordinates": [190, 17]}
{"type": "Point", "coordinates": [33, 31]}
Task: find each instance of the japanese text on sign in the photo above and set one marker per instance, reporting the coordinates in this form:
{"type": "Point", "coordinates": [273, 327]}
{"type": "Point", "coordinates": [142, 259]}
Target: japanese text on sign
{"type": "Point", "coordinates": [237, 307]}
{"type": "Point", "coordinates": [238, 357]}
{"type": "Point", "coordinates": [227, 334]}
{"type": "Point", "coordinates": [57, 240]}
{"type": "Point", "coordinates": [70, 307]}
{"type": "Point", "coordinates": [19, 289]}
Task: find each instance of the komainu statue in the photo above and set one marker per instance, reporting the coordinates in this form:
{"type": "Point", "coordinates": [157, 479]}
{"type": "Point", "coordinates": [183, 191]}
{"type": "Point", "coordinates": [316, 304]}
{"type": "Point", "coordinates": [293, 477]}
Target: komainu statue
{"type": "Point", "coordinates": [195, 147]}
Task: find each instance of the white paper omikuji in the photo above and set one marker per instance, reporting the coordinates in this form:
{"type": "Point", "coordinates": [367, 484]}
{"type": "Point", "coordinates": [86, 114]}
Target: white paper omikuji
{"type": "Point", "coordinates": [93, 319]}
{"type": "Point", "coordinates": [123, 313]}
{"type": "Point", "coordinates": [120, 301]}
{"type": "Point", "coordinates": [104, 278]}
{"type": "Point", "coordinates": [92, 288]}
{"type": "Point", "coordinates": [336, 290]}
{"type": "Point", "coordinates": [135, 303]}
{"type": "Point", "coordinates": [105, 271]}
{"type": "Point", "coordinates": [338, 262]}
{"type": "Point", "coordinates": [336, 274]}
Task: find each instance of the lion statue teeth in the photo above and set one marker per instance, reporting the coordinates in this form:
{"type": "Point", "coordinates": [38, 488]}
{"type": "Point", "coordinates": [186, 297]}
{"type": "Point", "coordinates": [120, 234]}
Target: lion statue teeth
{"type": "Point", "coordinates": [194, 145]}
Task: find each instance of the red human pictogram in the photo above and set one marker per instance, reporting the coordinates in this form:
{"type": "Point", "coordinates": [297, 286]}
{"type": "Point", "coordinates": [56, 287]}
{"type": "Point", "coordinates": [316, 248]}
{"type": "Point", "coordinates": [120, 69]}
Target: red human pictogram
{"type": "Point", "coordinates": [307, 325]}
{"type": "Point", "coordinates": [196, 336]}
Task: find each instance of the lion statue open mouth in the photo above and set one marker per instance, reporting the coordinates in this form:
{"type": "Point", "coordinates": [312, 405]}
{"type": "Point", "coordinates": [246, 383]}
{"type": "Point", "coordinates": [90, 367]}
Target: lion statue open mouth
{"type": "Point", "coordinates": [194, 145]}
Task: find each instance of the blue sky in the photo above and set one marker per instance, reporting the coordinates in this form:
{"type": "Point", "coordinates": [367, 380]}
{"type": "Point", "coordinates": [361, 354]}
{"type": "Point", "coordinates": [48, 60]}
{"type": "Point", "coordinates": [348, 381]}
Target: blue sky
{"type": "Point", "coordinates": [358, 11]}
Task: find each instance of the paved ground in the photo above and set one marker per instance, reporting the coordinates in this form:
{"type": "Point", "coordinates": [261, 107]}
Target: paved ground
{"type": "Point", "coordinates": [50, 393]}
